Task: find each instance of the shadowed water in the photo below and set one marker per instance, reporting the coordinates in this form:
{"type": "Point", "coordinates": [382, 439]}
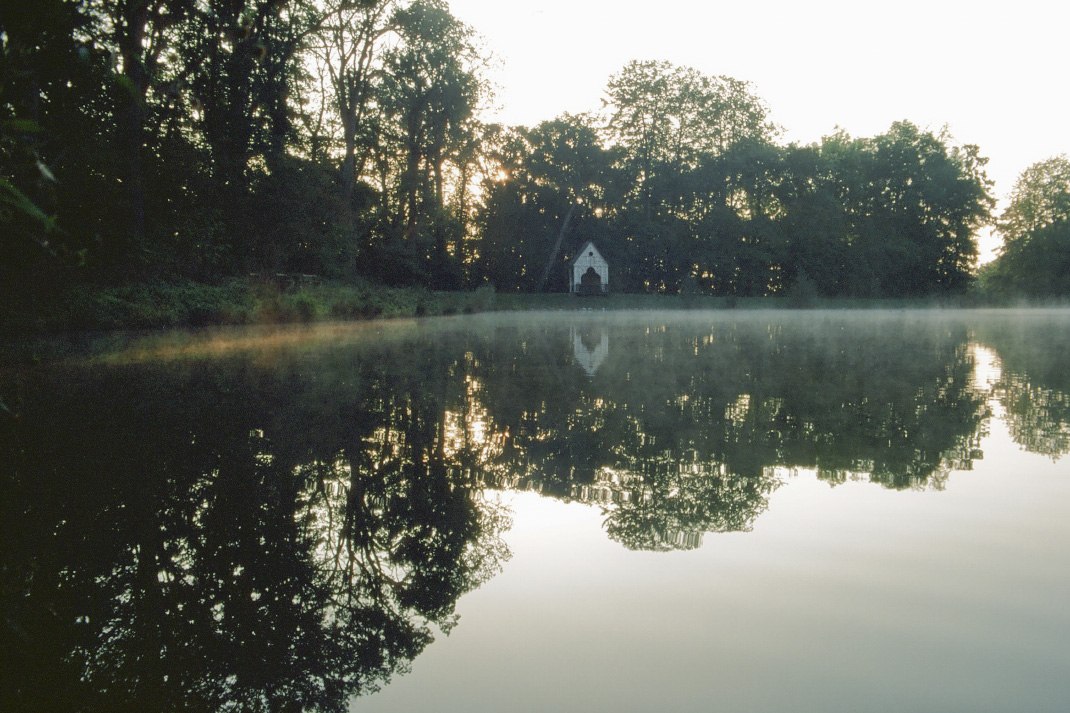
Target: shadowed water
{"type": "Point", "coordinates": [610, 511]}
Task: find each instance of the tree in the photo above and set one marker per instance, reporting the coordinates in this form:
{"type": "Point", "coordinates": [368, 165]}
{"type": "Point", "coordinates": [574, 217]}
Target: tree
{"type": "Point", "coordinates": [37, 53]}
{"type": "Point", "coordinates": [241, 65]}
{"type": "Point", "coordinates": [59, 195]}
{"type": "Point", "coordinates": [738, 213]}
{"type": "Point", "coordinates": [141, 31]}
{"type": "Point", "coordinates": [1041, 197]}
{"type": "Point", "coordinates": [1035, 258]}
{"type": "Point", "coordinates": [912, 204]}
{"type": "Point", "coordinates": [813, 222]}
{"type": "Point", "coordinates": [669, 122]}
{"type": "Point", "coordinates": [550, 185]}
{"type": "Point", "coordinates": [347, 47]}
{"type": "Point", "coordinates": [428, 98]}
{"type": "Point", "coordinates": [666, 119]}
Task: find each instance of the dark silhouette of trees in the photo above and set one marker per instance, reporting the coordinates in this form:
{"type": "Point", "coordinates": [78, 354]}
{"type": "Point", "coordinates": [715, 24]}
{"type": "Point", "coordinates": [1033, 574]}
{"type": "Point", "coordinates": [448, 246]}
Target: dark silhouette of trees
{"type": "Point", "coordinates": [552, 185]}
{"type": "Point", "coordinates": [427, 139]}
{"type": "Point", "coordinates": [687, 192]}
{"type": "Point", "coordinates": [1035, 257]}
{"type": "Point", "coordinates": [160, 139]}
{"type": "Point", "coordinates": [166, 138]}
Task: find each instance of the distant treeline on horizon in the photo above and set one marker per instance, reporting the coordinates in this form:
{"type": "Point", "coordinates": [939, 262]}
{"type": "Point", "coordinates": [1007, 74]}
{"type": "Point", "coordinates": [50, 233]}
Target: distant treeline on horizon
{"type": "Point", "coordinates": [165, 140]}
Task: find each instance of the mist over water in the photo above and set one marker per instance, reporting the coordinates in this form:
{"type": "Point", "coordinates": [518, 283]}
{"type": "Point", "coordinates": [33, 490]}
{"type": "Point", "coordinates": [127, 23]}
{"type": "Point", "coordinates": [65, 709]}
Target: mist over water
{"type": "Point", "coordinates": [754, 511]}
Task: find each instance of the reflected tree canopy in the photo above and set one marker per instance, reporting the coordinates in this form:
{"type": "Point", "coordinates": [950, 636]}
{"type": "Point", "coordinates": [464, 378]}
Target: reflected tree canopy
{"type": "Point", "coordinates": [284, 527]}
{"type": "Point", "coordinates": [1033, 385]}
{"type": "Point", "coordinates": [230, 539]}
{"type": "Point", "coordinates": [688, 427]}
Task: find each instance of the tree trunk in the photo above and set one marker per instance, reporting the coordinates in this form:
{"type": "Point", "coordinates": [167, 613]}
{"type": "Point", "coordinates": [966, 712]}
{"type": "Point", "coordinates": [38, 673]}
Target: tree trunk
{"type": "Point", "coordinates": [130, 40]}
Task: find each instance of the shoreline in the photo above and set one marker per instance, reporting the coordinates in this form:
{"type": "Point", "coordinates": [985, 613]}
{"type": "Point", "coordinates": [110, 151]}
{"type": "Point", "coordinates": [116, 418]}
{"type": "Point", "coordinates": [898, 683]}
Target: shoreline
{"type": "Point", "coordinates": [252, 302]}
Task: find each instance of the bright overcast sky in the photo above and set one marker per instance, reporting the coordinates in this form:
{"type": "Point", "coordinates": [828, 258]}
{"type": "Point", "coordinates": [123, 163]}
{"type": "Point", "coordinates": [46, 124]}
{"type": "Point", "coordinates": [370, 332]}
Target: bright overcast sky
{"type": "Point", "coordinates": [996, 74]}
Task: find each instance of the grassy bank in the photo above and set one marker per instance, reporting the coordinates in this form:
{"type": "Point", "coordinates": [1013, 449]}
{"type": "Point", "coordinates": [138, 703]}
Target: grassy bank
{"type": "Point", "coordinates": [253, 301]}
{"type": "Point", "coordinates": [240, 301]}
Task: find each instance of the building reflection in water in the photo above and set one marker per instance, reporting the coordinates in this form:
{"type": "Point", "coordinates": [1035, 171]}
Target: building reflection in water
{"type": "Point", "coordinates": [590, 345]}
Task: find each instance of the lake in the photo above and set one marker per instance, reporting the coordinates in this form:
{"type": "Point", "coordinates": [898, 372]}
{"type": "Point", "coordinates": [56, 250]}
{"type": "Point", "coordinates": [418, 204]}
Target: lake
{"type": "Point", "coordinates": [749, 511]}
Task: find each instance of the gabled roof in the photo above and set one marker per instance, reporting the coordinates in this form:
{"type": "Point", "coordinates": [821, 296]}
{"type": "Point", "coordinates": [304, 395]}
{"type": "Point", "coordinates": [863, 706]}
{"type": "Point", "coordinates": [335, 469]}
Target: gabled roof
{"type": "Point", "coordinates": [587, 247]}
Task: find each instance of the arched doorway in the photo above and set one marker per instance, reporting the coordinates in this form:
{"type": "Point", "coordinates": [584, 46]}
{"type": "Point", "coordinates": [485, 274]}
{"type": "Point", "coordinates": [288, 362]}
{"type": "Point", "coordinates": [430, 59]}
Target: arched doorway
{"type": "Point", "coordinates": [590, 282]}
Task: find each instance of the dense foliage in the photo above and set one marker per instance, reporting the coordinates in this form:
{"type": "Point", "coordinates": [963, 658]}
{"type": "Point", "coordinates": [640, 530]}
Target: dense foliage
{"type": "Point", "coordinates": [1035, 260]}
{"type": "Point", "coordinates": [206, 139]}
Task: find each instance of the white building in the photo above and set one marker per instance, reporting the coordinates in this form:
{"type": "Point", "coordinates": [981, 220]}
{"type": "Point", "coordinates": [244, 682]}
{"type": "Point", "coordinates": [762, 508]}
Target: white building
{"type": "Point", "coordinates": [589, 272]}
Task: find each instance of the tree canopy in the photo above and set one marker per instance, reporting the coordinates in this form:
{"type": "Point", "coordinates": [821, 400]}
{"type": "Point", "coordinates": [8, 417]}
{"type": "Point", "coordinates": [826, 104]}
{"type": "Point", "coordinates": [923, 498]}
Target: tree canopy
{"type": "Point", "coordinates": [160, 139]}
{"type": "Point", "coordinates": [1035, 227]}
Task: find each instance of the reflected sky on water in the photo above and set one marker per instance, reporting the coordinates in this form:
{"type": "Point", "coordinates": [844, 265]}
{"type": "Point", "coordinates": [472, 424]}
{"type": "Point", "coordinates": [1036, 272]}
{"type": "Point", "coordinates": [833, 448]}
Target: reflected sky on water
{"type": "Point", "coordinates": [624, 511]}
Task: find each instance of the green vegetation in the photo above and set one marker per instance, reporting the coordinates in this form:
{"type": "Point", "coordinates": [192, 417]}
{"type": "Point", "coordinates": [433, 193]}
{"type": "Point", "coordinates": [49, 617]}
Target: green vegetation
{"type": "Point", "coordinates": [246, 301]}
{"type": "Point", "coordinates": [157, 153]}
{"type": "Point", "coordinates": [1035, 261]}
{"type": "Point", "coordinates": [238, 301]}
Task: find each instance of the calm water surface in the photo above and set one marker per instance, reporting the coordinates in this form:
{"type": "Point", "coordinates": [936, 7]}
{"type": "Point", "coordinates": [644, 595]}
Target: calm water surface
{"type": "Point", "coordinates": [752, 512]}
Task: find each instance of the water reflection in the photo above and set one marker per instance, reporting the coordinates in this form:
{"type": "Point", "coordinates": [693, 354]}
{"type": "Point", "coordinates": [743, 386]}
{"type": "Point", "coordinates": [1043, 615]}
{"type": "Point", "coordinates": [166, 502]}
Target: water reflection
{"type": "Point", "coordinates": [230, 538]}
{"type": "Point", "coordinates": [590, 344]}
{"type": "Point", "coordinates": [690, 438]}
{"type": "Point", "coordinates": [1033, 386]}
{"type": "Point", "coordinates": [286, 526]}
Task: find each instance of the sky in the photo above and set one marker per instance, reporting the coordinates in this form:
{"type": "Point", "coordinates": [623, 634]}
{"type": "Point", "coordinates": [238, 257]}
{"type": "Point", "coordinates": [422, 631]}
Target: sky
{"type": "Point", "coordinates": [996, 74]}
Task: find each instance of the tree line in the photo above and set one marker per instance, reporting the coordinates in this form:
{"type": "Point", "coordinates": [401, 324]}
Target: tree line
{"type": "Point", "coordinates": [204, 139]}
